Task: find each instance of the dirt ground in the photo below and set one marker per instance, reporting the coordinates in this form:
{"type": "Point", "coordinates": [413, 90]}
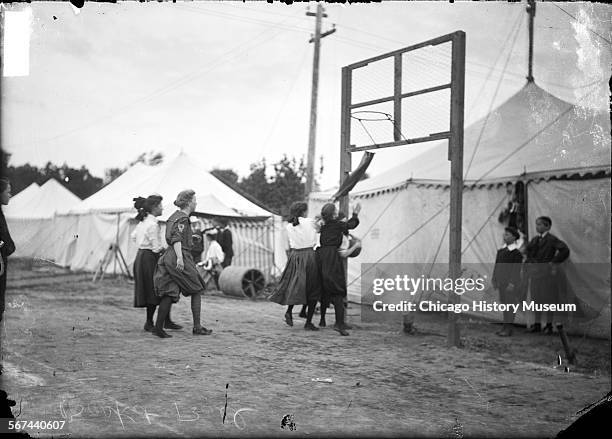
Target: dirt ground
{"type": "Point", "coordinates": [75, 351]}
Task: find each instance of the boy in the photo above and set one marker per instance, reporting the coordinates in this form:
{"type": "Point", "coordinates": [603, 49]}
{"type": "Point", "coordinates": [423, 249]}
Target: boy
{"type": "Point", "coordinates": [544, 254]}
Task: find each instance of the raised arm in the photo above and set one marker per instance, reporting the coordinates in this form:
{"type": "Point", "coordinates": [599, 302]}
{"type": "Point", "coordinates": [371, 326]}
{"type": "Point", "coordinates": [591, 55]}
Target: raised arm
{"type": "Point", "coordinates": [354, 219]}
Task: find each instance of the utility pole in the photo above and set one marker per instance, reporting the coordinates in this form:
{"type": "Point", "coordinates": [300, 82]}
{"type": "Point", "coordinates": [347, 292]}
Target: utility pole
{"type": "Point", "coordinates": [531, 10]}
{"type": "Point", "coordinates": [316, 38]}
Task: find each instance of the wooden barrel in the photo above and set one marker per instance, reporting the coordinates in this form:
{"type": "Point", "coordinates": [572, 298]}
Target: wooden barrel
{"type": "Point", "coordinates": [242, 281]}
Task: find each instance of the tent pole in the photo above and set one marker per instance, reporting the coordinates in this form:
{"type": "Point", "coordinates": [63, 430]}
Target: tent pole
{"type": "Point", "coordinates": [116, 246]}
{"type": "Point", "coordinates": [526, 210]}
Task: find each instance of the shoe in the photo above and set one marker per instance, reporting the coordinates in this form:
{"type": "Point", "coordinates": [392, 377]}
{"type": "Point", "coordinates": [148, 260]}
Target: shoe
{"type": "Point", "coordinates": [535, 328]}
{"type": "Point", "coordinates": [548, 330]}
{"type": "Point", "coordinates": [201, 331]}
{"type": "Point", "coordinates": [310, 327]}
{"type": "Point", "coordinates": [149, 326]}
{"type": "Point", "coordinates": [160, 333]}
{"type": "Point", "coordinates": [289, 319]}
{"type": "Point", "coordinates": [168, 324]}
{"type": "Point", "coordinates": [322, 322]}
{"type": "Point", "coordinates": [302, 314]}
{"type": "Point", "coordinates": [341, 330]}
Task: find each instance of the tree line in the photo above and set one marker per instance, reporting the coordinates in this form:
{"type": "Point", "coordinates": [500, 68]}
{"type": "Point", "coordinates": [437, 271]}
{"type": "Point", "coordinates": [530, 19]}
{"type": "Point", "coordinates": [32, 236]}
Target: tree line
{"type": "Point", "coordinates": [272, 186]}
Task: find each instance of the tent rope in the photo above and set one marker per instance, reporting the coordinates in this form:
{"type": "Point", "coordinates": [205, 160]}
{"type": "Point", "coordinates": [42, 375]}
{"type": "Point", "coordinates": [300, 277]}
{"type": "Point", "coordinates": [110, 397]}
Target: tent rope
{"type": "Point", "coordinates": [492, 68]}
{"type": "Point", "coordinates": [486, 221]}
{"type": "Point", "coordinates": [477, 181]}
{"type": "Point", "coordinates": [436, 258]}
{"type": "Point", "coordinates": [499, 82]}
{"type": "Point", "coordinates": [431, 218]}
{"type": "Point", "coordinates": [528, 141]}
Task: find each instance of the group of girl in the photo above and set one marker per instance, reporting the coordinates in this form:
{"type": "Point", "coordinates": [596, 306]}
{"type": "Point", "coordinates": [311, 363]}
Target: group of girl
{"type": "Point", "coordinates": [161, 276]}
{"type": "Point", "coordinates": [315, 270]}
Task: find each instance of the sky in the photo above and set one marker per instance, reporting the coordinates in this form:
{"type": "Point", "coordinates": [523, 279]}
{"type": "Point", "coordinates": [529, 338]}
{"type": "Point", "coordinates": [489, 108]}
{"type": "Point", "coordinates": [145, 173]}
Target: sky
{"type": "Point", "coordinates": [230, 82]}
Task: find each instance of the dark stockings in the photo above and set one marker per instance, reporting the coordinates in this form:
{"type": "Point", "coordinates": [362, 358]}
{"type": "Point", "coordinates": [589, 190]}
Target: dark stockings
{"type": "Point", "coordinates": [163, 312]}
{"type": "Point", "coordinates": [338, 302]}
{"type": "Point", "coordinates": [310, 311]}
{"type": "Point", "coordinates": [196, 306]}
{"type": "Point", "coordinates": [150, 312]}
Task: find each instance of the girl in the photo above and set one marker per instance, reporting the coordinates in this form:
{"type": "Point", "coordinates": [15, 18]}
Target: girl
{"type": "Point", "coordinates": [214, 256]}
{"type": "Point", "coordinates": [176, 272]}
{"type": "Point", "coordinates": [300, 283]}
{"type": "Point", "coordinates": [7, 246]}
{"type": "Point", "coordinates": [333, 277]}
{"type": "Point", "coordinates": [147, 237]}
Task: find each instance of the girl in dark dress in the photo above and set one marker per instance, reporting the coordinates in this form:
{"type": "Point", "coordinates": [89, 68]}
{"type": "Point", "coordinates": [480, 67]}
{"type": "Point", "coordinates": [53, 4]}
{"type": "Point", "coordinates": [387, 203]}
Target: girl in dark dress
{"type": "Point", "coordinates": [176, 271]}
{"type": "Point", "coordinates": [507, 276]}
{"type": "Point", "coordinates": [7, 246]}
{"type": "Point", "coordinates": [300, 282]}
{"type": "Point", "coordinates": [147, 236]}
{"type": "Point", "coordinates": [331, 263]}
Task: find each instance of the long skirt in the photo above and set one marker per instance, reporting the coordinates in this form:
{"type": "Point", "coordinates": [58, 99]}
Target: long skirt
{"type": "Point", "coordinates": [169, 281]}
{"type": "Point", "coordinates": [300, 282]}
{"type": "Point", "coordinates": [333, 277]}
{"type": "Point", "coordinates": [144, 268]}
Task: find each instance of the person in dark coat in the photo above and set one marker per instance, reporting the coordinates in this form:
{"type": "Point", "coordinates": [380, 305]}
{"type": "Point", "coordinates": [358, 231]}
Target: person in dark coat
{"type": "Point", "coordinates": [225, 240]}
{"type": "Point", "coordinates": [507, 276]}
{"type": "Point", "coordinates": [176, 271]}
{"type": "Point", "coordinates": [331, 263]}
{"type": "Point", "coordinates": [300, 281]}
{"type": "Point", "coordinates": [544, 254]}
{"type": "Point", "coordinates": [197, 240]}
{"type": "Point", "coordinates": [7, 246]}
{"type": "Point", "coordinates": [148, 239]}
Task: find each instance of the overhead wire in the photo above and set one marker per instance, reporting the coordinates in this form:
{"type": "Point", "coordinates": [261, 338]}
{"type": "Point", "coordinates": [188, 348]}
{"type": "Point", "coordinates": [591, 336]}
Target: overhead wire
{"type": "Point", "coordinates": [514, 28]}
{"type": "Point", "coordinates": [238, 49]}
{"type": "Point", "coordinates": [578, 21]}
{"type": "Point", "coordinates": [285, 100]}
{"type": "Point", "coordinates": [499, 82]}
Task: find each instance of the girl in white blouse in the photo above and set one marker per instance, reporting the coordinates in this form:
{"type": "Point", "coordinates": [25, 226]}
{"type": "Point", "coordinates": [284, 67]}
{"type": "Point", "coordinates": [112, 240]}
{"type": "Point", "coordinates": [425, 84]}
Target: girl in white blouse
{"type": "Point", "coordinates": [148, 239]}
{"type": "Point", "coordinates": [300, 283]}
{"type": "Point", "coordinates": [213, 258]}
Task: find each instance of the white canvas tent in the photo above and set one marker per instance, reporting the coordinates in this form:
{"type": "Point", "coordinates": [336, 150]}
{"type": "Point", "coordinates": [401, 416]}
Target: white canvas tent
{"type": "Point", "coordinates": [19, 203]}
{"type": "Point", "coordinates": [80, 237]}
{"type": "Point", "coordinates": [168, 179]}
{"type": "Point", "coordinates": [561, 152]}
{"type": "Point", "coordinates": [30, 216]}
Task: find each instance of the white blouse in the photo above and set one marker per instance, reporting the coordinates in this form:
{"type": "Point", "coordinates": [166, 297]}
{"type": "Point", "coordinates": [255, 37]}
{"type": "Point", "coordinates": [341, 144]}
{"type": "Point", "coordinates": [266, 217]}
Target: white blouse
{"type": "Point", "coordinates": [304, 235]}
{"type": "Point", "coordinates": [147, 235]}
{"type": "Point", "coordinates": [214, 251]}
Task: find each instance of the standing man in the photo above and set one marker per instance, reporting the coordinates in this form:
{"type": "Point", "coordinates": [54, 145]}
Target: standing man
{"type": "Point", "coordinates": [224, 238]}
{"type": "Point", "coordinates": [7, 246]}
{"type": "Point", "coordinates": [544, 254]}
